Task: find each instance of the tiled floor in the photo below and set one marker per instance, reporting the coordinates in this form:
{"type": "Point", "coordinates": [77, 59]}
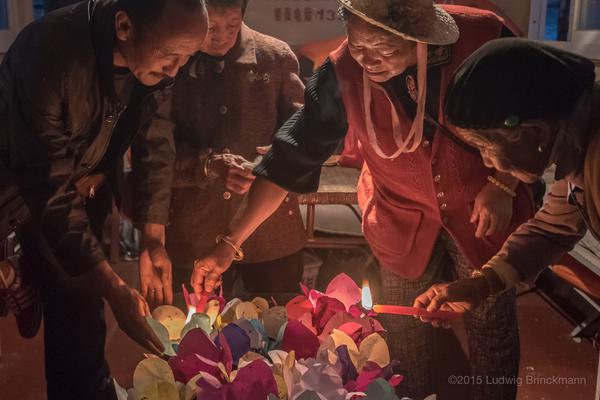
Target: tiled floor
{"type": "Point", "coordinates": [547, 354]}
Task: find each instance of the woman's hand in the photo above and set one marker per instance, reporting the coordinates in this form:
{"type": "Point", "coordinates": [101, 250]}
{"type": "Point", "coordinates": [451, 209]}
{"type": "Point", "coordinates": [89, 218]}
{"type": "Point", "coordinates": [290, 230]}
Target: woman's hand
{"type": "Point", "coordinates": [492, 211]}
{"type": "Point", "coordinates": [206, 276]}
{"type": "Point", "coordinates": [235, 170]}
{"type": "Point", "coordinates": [459, 296]}
{"type": "Point", "coordinates": [239, 180]}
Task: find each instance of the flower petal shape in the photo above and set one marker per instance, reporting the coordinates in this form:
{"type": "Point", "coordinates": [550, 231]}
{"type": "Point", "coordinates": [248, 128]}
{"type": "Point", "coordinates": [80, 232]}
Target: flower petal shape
{"type": "Point", "coordinates": [300, 339]}
{"type": "Point", "coordinates": [344, 289]}
{"type": "Point", "coordinates": [237, 340]}
{"type": "Point", "coordinates": [151, 370]}
{"type": "Point", "coordinates": [298, 306]}
{"type": "Point", "coordinates": [325, 309]}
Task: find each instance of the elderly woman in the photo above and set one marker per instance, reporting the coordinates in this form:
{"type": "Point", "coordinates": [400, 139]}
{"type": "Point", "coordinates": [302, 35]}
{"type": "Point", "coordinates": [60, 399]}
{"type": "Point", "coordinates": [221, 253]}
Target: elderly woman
{"type": "Point", "coordinates": [526, 107]}
{"type": "Point", "coordinates": [431, 208]}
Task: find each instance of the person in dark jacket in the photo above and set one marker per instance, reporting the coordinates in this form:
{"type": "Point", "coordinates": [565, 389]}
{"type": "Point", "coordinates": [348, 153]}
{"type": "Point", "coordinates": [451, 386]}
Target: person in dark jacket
{"type": "Point", "coordinates": [75, 89]}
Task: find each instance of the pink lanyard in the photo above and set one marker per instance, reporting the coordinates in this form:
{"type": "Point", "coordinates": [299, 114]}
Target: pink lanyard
{"type": "Point", "coordinates": [413, 140]}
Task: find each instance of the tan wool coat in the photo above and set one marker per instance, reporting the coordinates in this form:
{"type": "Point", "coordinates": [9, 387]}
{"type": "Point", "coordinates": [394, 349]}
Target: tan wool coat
{"type": "Point", "coordinates": [230, 105]}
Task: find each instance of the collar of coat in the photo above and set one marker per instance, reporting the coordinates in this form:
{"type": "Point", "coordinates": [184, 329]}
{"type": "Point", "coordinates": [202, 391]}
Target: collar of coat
{"type": "Point", "coordinates": [244, 51]}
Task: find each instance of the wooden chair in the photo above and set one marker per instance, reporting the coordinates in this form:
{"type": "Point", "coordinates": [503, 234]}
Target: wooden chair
{"type": "Point", "coordinates": [337, 187]}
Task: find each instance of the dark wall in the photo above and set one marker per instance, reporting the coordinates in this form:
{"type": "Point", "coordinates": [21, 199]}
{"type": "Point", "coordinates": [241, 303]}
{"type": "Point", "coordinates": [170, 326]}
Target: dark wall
{"type": "Point", "coordinates": [50, 5]}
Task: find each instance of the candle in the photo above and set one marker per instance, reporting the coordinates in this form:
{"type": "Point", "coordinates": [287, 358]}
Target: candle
{"type": "Point", "coordinates": [366, 297]}
{"type": "Point", "coordinates": [198, 302]}
{"type": "Point", "coordinates": [201, 302]}
{"type": "Point", "coordinates": [186, 296]}
{"type": "Point", "coordinates": [194, 303]}
{"type": "Point", "coordinates": [191, 312]}
{"type": "Point", "coordinates": [367, 304]}
{"type": "Point", "coordinates": [416, 312]}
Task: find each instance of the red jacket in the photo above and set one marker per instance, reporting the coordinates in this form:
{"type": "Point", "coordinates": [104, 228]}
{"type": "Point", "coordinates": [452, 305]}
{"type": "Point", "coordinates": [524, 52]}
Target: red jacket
{"type": "Point", "coordinates": [407, 201]}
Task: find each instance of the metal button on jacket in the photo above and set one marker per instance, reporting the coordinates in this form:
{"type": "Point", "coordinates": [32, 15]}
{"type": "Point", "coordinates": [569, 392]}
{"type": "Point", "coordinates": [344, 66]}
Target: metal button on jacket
{"type": "Point", "coordinates": [437, 178]}
{"type": "Point", "coordinates": [226, 196]}
{"type": "Point", "coordinates": [223, 110]}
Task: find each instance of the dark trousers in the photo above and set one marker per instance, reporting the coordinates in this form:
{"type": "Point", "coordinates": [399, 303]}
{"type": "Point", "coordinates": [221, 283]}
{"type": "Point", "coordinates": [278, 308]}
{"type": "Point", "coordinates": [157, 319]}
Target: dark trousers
{"type": "Point", "coordinates": [74, 325]}
{"type": "Point", "coordinates": [430, 357]}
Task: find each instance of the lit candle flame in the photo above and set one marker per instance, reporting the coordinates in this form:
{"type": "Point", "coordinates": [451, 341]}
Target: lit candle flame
{"type": "Point", "coordinates": [367, 298]}
{"type": "Point", "coordinates": [191, 312]}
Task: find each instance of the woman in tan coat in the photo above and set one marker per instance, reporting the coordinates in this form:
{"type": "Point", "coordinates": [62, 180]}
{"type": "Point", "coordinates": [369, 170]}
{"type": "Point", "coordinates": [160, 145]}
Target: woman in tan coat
{"type": "Point", "coordinates": [225, 108]}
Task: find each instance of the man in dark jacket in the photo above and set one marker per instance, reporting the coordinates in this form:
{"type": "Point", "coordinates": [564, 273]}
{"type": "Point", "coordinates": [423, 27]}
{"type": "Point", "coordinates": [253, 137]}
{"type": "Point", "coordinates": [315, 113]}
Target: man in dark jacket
{"type": "Point", "coordinates": [75, 89]}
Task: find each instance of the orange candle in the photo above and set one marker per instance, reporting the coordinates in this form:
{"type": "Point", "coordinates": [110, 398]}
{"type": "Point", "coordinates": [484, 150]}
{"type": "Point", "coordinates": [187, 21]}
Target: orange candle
{"type": "Point", "coordinates": [186, 296]}
{"type": "Point", "coordinates": [416, 312]}
{"type": "Point", "coordinates": [202, 300]}
{"type": "Point", "coordinates": [200, 303]}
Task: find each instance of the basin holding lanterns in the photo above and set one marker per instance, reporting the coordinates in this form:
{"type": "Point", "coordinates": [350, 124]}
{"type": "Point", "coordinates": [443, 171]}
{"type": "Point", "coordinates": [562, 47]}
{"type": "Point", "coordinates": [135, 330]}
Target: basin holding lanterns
{"type": "Point", "coordinates": [316, 344]}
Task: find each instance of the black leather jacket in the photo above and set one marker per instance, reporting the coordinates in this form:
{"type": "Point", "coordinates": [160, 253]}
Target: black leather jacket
{"type": "Point", "coordinates": [61, 121]}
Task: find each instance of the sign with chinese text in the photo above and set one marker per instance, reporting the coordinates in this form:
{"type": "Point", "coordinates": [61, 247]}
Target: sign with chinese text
{"type": "Point", "coordinates": [296, 22]}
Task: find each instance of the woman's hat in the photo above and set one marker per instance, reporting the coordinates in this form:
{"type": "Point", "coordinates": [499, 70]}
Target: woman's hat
{"type": "Point", "coordinates": [415, 20]}
{"type": "Point", "coordinates": [508, 81]}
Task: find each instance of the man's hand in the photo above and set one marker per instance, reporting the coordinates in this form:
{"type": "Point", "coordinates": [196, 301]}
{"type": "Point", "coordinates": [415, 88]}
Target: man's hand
{"type": "Point", "coordinates": [460, 296]}
{"type": "Point", "coordinates": [156, 279]}
{"type": "Point", "coordinates": [130, 310]}
{"type": "Point", "coordinates": [207, 272]}
{"type": "Point", "coordinates": [128, 306]}
{"type": "Point", "coordinates": [492, 211]}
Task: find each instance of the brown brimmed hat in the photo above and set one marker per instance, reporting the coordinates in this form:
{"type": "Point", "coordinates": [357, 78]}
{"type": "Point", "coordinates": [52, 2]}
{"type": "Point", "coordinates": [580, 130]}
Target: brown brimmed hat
{"type": "Point", "coordinates": [415, 20]}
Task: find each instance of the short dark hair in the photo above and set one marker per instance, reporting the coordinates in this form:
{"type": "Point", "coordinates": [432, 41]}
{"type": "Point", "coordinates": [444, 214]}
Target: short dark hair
{"type": "Point", "coordinates": [228, 4]}
{"type": "Point", "coordinates": [145, 12]}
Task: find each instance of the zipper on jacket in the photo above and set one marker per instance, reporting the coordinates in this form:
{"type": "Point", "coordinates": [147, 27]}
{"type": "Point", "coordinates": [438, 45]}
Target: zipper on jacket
{"type": "Point", "coordinates": [108, 120]}
{"type": "Point", "coordinates": [114, 120]}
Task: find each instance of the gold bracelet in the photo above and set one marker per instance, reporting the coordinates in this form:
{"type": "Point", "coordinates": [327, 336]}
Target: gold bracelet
{"type": "Point", "coordinates": [501, 186]}
{"type": "Point", "coordinates": [239, 253]}
{"type": "Point", "coordinates": [484, 272]}
{"type": "Point", "coordinates": [206, 166]}
{"type": "Point", "coordinates": [478, 273]}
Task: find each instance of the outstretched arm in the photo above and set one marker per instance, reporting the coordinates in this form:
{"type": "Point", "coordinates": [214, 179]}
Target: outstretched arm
{"type": "Point", "coordinates": [293, 164]}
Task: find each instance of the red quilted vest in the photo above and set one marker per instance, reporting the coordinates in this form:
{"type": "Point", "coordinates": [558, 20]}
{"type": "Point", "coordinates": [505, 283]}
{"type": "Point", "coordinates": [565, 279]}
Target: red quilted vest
{"type": "Point", "coordinates": [407, 201]}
